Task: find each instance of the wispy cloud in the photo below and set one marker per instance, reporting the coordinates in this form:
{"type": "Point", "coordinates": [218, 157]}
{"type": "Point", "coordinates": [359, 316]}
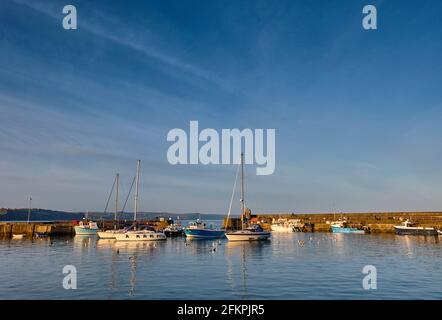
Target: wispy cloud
{"type": "Point", "coordinates": [116, 32]}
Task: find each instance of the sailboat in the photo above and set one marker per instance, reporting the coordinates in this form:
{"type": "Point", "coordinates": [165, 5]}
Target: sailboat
{"type": "Point", "coordinates": [139, 233]}
{"type": "Point", "coordinates": [250, 232]}
{"type": "Point", "coordinates": [110, 234]}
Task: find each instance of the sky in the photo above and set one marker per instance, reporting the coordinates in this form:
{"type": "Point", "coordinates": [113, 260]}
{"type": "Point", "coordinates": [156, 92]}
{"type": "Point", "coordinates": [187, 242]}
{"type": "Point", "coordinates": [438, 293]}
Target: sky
{"type": "Point", "coordinates": [357, 112]}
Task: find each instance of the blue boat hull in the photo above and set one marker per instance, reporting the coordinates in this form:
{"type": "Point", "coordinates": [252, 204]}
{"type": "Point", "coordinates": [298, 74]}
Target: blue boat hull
{"type": "Point", "coordinates": [204, 233]}
{"type": "Point", "coordinates": [347, 230]}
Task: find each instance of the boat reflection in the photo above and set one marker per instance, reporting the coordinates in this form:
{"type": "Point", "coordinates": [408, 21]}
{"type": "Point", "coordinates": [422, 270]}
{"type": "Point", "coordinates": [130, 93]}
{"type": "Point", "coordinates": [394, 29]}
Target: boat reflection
{"type": "Point", "coordinates": [84, 242]}
{"type": "Point", "coordinates": [247, 252]}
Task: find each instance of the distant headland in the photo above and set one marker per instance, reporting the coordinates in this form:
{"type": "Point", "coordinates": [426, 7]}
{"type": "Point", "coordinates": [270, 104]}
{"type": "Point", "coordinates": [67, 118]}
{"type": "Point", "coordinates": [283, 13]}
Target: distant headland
{"type": "Point", "coordinates": [21, 214]}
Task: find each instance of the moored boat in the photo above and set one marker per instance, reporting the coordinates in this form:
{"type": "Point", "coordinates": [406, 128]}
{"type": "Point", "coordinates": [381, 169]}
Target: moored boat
{"type": "Point", "coordinates": [286, 225]}
{"type": "Point", "coordinates": [145, 233]}
{"type": "Point", "coordinates": [341, 227]}
{"type": "Point", "coordinates": [174, 230]}
{"type": "Point", "coordinates": [109, 234]}
{"type": "Point", "coordinates": [18, 236]}
{"type": "Point", "coordinates": [89, 228]}
{"type": "Point", "coordinates": [408, 228]}
{"type": "Point", "coordinates": [250, 232]}
{"type": "Point", "coordinates": [199, 230]}
{"type": "Point", "coordinates": [41, 234]}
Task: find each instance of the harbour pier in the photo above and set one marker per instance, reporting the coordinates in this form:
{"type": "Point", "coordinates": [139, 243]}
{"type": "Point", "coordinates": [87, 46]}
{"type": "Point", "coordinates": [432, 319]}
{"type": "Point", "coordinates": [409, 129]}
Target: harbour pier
{"type": "Point", "coordinates": [63, 228]}
{"type": "Point", "coordinates": [374, 222]}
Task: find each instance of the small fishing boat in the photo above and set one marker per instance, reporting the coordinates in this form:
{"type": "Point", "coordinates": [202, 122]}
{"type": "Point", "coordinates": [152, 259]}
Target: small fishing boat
{"type": "Point", "coordinates": [439, 231]}
{"type": "Point", "coordinates": [342, 227]}
{"type": "Point", "coordinates": [199, 229]}
{"type": "Point", "coordinates": [18, 236]}
{"type": "Point", "coordinates": [86, 228]}
{"type": "Point", "coordinates": [174, 230]}
{"type": "Point", "coordinates": [251, 232]}
{"type": "Point", "coordinates": [139, 233]}
{"type": "Point", "coordinates": [408, 228]}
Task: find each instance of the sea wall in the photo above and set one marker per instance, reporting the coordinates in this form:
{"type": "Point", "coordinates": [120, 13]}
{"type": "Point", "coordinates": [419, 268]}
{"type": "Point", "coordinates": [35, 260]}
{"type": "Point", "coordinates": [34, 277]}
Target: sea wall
{"type": "Point", "coordinates": [7, 229]}
{"type": "Point", "coordinates": [376, 222]}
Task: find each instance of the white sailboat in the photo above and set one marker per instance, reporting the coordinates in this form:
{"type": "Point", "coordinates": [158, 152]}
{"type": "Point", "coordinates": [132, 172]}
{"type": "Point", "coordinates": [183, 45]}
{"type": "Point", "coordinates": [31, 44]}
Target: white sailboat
{"type": "Point", "coordinates": [139, 234]}
{"type": "Point", "coordinates": [252, 232]}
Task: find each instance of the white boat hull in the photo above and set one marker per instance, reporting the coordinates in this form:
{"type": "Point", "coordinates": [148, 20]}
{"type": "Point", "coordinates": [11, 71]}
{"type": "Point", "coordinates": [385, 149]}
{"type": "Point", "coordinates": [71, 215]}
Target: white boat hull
{"type": "Point", "coordinates": [108, 234]}
{"type": "Point", "coordinates": [140, 236]}
{"type": "Point", "coordinates": [18, 236]}
{"type": "Point", "coordinates": [281, 228]}
{"type": "Point", "coordinates": [247, 236]}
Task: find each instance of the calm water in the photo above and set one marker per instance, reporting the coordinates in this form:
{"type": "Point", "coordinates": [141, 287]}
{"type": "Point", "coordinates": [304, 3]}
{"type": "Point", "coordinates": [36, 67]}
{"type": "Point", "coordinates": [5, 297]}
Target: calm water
{"type": "Point", "coordinates": [290, 266]}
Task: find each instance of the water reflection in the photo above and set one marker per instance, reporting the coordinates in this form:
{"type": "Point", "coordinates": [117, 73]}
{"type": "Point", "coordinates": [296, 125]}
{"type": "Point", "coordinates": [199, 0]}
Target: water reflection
{"type": "Point", "coordinates": [247, 253]}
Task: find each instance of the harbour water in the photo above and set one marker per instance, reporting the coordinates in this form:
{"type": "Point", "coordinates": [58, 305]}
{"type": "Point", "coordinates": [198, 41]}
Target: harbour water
{"type": "Point", "coordinates": [290, 266]}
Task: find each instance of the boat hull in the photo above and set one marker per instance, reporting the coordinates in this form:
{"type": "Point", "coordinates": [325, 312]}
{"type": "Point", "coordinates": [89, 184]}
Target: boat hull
{"type": "Point", "coordinates": [203, 233]}
{"type": "Point", "coordinates": [248, 236]}
{"type": "Point", "coordinates": [278, 228]}
{"type": "Point", "coordinates": [415, 231]}
{"type": "Point", "coordinates": [347, 230]}
{"type": "Point", "coordinates": [85, 231]}
{"type": "Point", "coordinates": [175, 233]}
{"type": "Point", "coordinates": [140, 236]}
{"type": "Point", "coordinates": [108, 234]}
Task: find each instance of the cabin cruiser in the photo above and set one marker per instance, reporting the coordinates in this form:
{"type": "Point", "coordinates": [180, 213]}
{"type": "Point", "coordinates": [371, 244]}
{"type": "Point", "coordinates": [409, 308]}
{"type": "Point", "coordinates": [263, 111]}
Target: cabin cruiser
{"type": "Point", "coordinates": [342, 227]}
{"type": "Point", "coordinates": [89, 228]}
{"type": "Point", "coordinates": [408, 228]}
{"type": "Point", "coordinates": [198, 229]}
{"type": "Point", "coordinates": [284, 225]}
{"type": "Point", "coordinates": [253, 232]}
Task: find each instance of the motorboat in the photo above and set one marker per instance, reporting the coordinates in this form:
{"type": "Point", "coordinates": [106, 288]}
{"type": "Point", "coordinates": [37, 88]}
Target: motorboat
{"type": "Point", "coordinates": [285, 225]}
{"type": "Point", "coordinates": [174, 230]}
{"type": "Point", "coordinates": [342, 227]}
{"type": "Point", "coordinates": [199, 230]}
{"type": "Point", "coordinates": [86, 228]}
{"type": "Point", "coordinates": [409, 228]}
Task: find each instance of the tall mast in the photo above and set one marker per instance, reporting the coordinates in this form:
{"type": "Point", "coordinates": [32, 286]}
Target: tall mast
{"type": "Point", "coordinates": [116, 199]}
{"type": "Point", "coordinates": [29, 209]}
{"type": "Point", "coordinates": [136, 190]}
{"type": "Point", "coordinates": [242, 191]}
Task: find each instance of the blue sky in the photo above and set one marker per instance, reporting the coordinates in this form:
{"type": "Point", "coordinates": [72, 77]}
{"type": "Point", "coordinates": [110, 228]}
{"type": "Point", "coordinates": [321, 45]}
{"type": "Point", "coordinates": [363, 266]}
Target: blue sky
{"type": "Point", "coordinates": [357, 113]}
